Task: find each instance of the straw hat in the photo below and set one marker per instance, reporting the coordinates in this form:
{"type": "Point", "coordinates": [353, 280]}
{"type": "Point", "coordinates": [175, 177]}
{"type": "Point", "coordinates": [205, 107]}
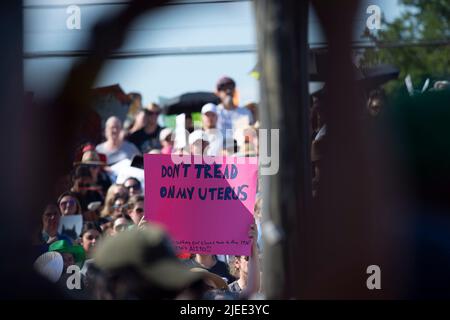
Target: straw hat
{"type": "Point", "coordinates": [91, 157]}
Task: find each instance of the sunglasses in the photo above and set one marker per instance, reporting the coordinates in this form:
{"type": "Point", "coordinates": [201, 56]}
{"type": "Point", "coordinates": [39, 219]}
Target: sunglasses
{"type": "Point", "coordinates": [121, 227]}
{"type": "Point", "coordinates": [119, 206]}
{"type": "Point", "coordinates": [226, 87]}
{"type": "Point", "coordinates": [85, 185]}
{"type": "Point", "coordinates": [134, 186]}
{"type": "Point", "coordinates": [69, 203]}
{"type": "Point", "coordinates": [151, 113]}
{"type": "Point", "coordinates": [139, 210]}
{"type": "Point", "coordinates": [51, 214]}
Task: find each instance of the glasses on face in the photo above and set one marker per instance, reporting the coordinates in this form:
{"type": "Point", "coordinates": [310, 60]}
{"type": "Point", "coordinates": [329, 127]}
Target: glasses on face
{"type": "Point", "coordinates": [121, 227]}
{"type": "Point", "coordinates": [51, 214]}
{"type": "Point", "coordinates": [91, 237]}
{"type": "Point", "coordinates": [227, 89]}
{"type": "Point", "coordinates": [85, 185]}
{"type": "Point", "coordinates": [152, 113]}
{"type": "Point", "coordinates": [133, 186]}
{"type": "Point", "coordinates": [69, 203]}
{"type": "Point", "coordinates": [121, 194]}
{"type": "Point", "coordinates": [119, 206]}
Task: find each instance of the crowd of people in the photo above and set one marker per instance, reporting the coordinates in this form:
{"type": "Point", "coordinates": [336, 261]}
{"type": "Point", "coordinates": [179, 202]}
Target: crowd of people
{"type": "Point", "coordinates": [120, 255]}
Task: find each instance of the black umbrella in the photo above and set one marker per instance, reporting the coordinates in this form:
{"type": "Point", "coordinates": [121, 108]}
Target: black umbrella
{"type": "Point", "coordinates": [371, 77]}
{"type": "Point", "coordinates": [189, 102]}
{"type": "Point", "coordinates": [318, 66]}
{"type": "Point", "coordinates": [376, 76]}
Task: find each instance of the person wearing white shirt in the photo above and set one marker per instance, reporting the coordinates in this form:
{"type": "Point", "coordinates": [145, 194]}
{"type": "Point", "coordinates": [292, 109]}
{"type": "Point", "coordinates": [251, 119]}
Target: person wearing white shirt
{"type": "Point", "coordinates": [230, 116]}
{"type": "Point", "coordinates": [209, 123]}
{"type": "Point", "coordinates": [115, 147]}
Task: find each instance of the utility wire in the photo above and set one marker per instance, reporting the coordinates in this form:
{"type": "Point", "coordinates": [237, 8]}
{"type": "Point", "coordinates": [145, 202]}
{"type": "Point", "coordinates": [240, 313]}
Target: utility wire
{"type": "Point", "coordinates": [122, 3]}
{"type": "Point", "coordinates": [222, 50]}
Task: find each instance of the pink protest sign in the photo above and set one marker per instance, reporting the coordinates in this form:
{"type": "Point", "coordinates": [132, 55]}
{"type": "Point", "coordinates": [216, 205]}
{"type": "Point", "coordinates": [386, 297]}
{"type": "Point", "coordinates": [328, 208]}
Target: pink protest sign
{"type": "Point", "coordinates": [206, 205]}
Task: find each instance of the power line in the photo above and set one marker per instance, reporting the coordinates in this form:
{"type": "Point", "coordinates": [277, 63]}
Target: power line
{"type": "Point", "coordinates": [146, 53]}
{"type": "Point", "coordinates": [236, 49]}
{"type": "Point", "coordinates": [387, 44]}
{"type": "Point", "coordinates": [122, 3]}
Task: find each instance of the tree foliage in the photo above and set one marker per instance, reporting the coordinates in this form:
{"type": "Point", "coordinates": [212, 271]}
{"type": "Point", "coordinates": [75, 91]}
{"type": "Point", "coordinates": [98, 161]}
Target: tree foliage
{"type": "Point", "coordinates": [425, 23]}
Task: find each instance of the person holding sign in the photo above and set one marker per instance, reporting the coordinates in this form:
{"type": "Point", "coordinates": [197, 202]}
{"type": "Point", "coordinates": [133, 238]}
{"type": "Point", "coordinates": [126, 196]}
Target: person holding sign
{"type": "Point", "coordinates": [246, 269]}
{"type": "Point", "coordinates": [198, 142]}
{"type": "Point", "coordinates": [48, 231]}
{"type": "Point", "coordinates": [215, 198]}
{"type": "Point", "coordinates": [50, 223]}
{"type": "Point", "coordinates": [68, 204]}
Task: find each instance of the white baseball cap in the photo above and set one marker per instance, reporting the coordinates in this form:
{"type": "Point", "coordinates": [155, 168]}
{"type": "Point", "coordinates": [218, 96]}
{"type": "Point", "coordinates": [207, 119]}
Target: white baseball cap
{"type": "Point", "coordinates": [165, 133]}
{"type": "Point", "coordinates": [209, 107]}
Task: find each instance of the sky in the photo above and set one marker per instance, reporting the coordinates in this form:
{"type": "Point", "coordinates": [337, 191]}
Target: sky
{"type": "Point", "coordinates": [192, 45]}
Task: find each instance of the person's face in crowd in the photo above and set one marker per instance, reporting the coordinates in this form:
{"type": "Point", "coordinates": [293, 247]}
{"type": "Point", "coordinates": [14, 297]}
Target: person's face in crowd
{"type": "Point", "coordinates": [107, 228]}
{"type": "Point", "coordinates": [121, 192]}
{"type": "Point", "coordinates": [68, 260]}
{"type": "Point", "coordinates": [137, 212]}
{"type": "Point", "coordinates": [209, 120]}
{"type": "Point", "coordinates": [50, 219]}
{"type": "Point", "coordinates": [68, 206]}
{"type": "Point", "coordinates": [138, 101]}
{"type": "Point", "coordinates": [90, 215]}
{"type": "Point", "coordinates": [241, 264]}
{"type": "Point", "coordinates": [141, 120]}
{"type": "Point", "coordinates": [168, 142]}
{"type": "Point", "coordinates": [118, 207]}
{"type": "Point", "coordinates": [95, 170]}
{"type": "Point", "coordinates": [89, 240]}
{"type": "Point", "coordinates": [133, 187]}
{"type": "Point", "coordinates": [121, 224]}
{"type": "Point", "coordinates": [151, 117]}
{"type": "Point", "coordinates": [113, 129]}
{"type": "Point", "coordinates": [374, 107]}
{"type": "Point", "coordinates": [226, 93]}
{"type": "Point", "coordinates": [83, 184]}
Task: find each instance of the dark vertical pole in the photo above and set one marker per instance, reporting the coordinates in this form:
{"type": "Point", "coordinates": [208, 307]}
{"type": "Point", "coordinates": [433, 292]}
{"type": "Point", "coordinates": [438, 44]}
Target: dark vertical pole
{"type": "Point", "coordinates": [11, 101]}
{"type": "Point", "coordinates": [282, 28]}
